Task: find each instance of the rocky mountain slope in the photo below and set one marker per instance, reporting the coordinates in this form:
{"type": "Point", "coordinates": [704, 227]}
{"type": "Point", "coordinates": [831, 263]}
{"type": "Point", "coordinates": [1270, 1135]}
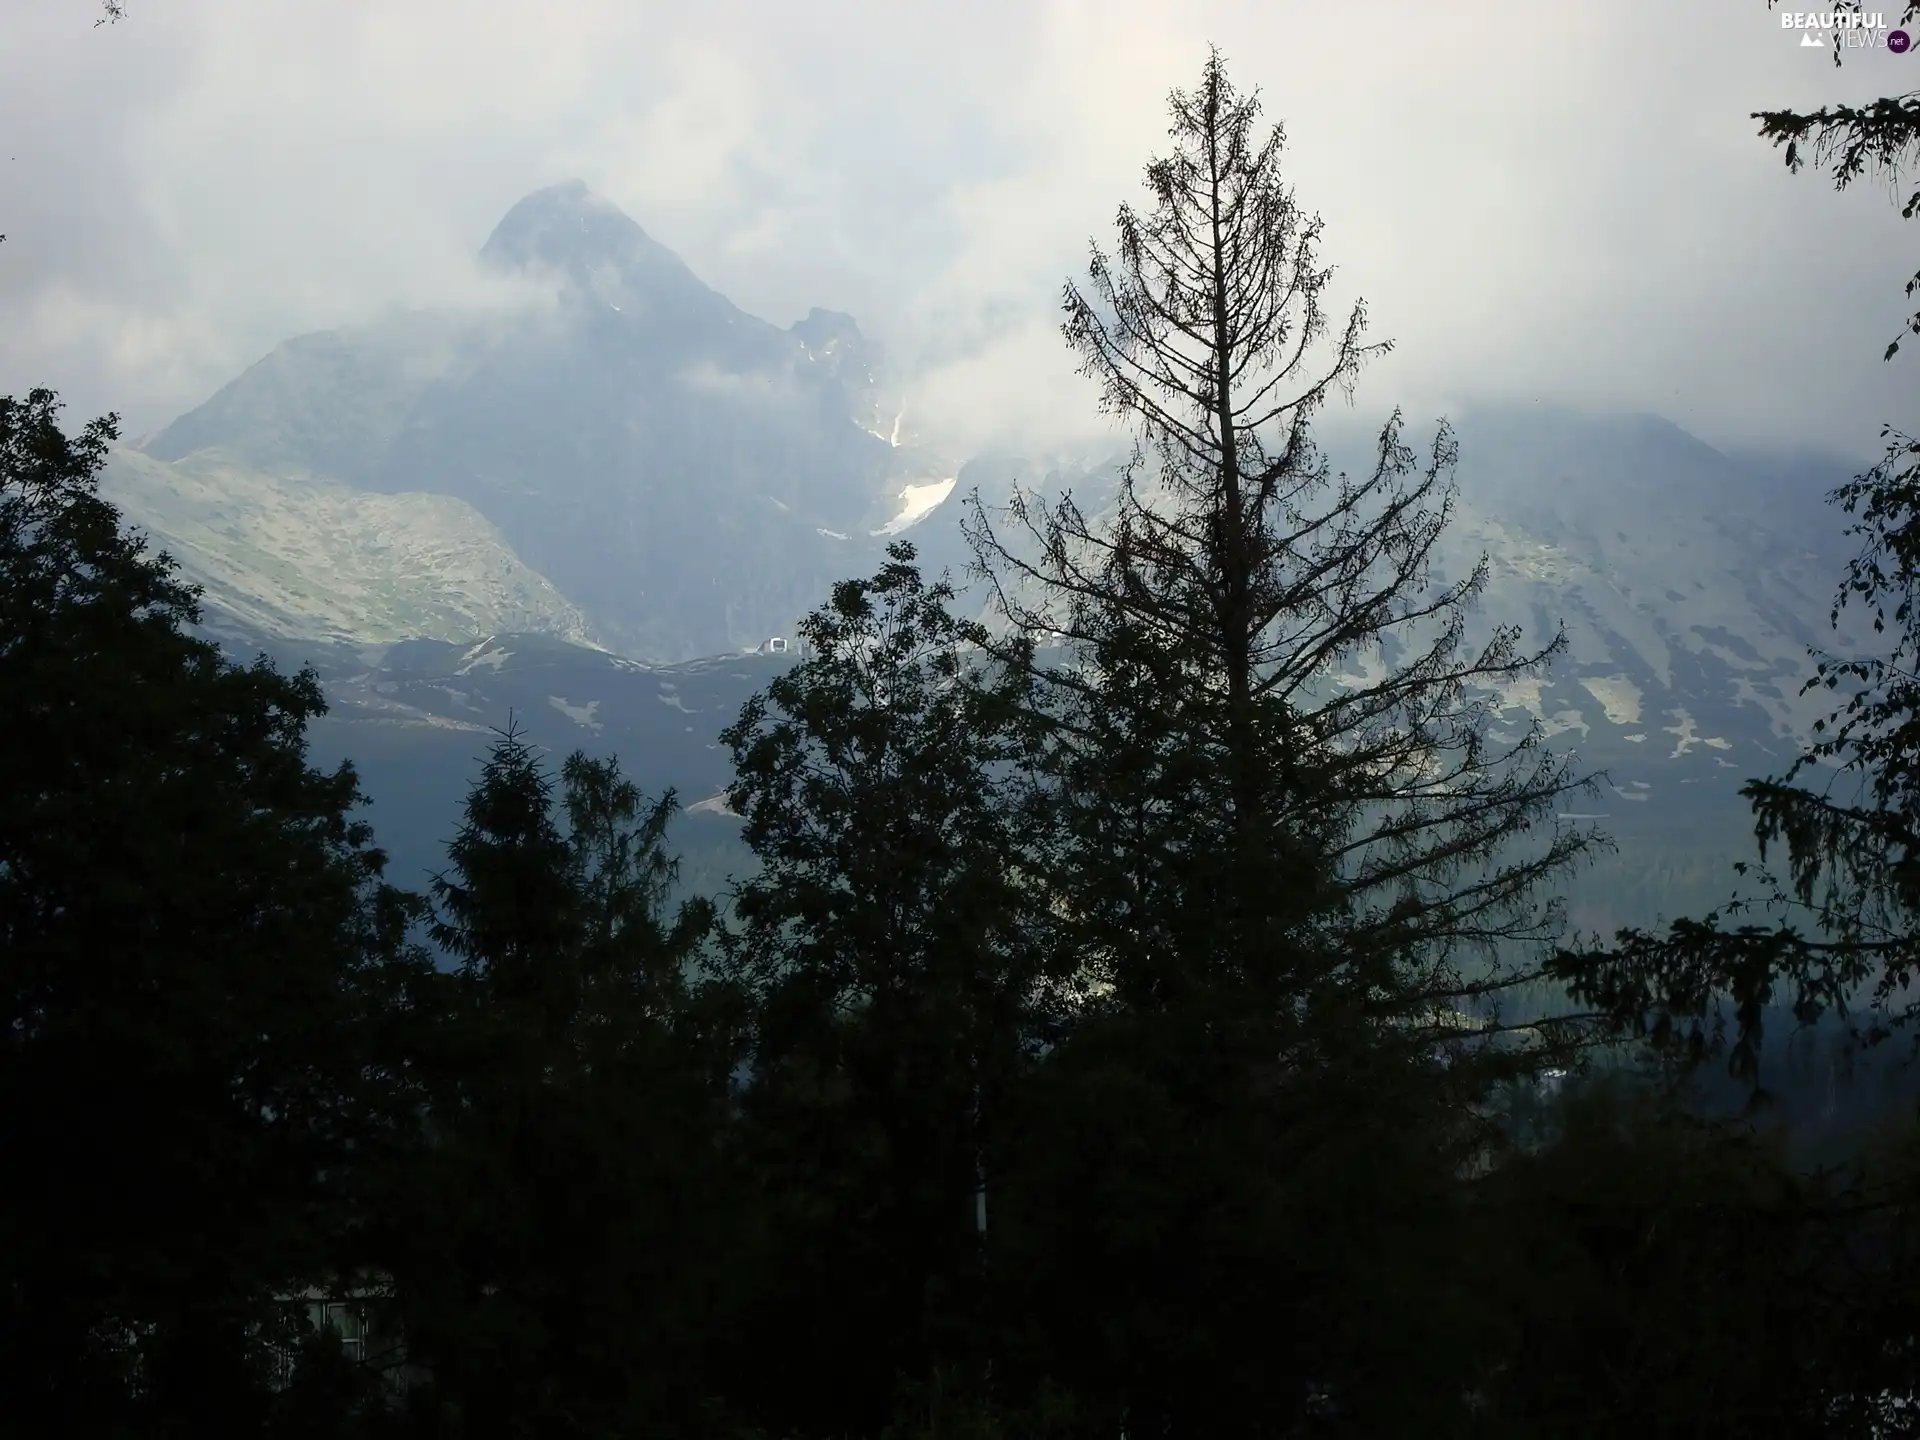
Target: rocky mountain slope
{"type": "Point", "coordinates": [298, 557]}
{"type": "Point", "coordinates": [692, 476]}
{"type": "Point", "coordinates": [621, 472]}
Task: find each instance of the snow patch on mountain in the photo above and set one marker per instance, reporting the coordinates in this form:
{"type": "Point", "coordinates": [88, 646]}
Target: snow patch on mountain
{"type": "Point", "coordinates": [1527, 695]}
{"type": "Point", "coordinates": [1686, 733]}
{"type": "Point", "coordinates": [486, 655]}
{"type": "Point", "coordinates": [583, 715]}
{"type": "Point", "coordinates": [916, 502]}
{"type": "Point", "coordinates": [1619, 697]}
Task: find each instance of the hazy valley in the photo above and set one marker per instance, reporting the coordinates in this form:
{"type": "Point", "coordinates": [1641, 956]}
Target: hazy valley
{"type": "Point", "coordinates": [595, 508]}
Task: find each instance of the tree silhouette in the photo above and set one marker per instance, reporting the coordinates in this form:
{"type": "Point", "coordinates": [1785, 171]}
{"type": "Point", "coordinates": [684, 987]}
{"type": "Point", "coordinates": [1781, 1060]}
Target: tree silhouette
{"type": "Point", "coordinates": [892, 945]}
{"type": "Point", "coordinates": [1207, 731]}
{"type": "Point", "coordinates": [202, 975]}
{"type": "Point", "coordinates": [1291, 847]}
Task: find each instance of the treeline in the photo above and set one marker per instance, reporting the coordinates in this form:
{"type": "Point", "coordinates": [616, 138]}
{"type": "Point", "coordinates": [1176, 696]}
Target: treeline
{"type": "Point", "coordinates": [1143, 1038]}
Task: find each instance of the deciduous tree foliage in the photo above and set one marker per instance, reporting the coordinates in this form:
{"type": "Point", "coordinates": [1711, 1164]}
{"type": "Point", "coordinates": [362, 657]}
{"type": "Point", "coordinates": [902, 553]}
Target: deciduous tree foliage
{"type": "Point", "coordinates": [201, 973]}
{"type": "Point", "coordinates": [1655, 1270]}
{"type": "Point", "coordinates": [892, 947]}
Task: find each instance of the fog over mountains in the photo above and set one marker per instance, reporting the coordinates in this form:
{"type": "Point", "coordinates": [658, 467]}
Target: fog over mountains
{"type": "Point", "coordinates": [561, 506]}
{"type": "Point", "coordinates": [692, 472]}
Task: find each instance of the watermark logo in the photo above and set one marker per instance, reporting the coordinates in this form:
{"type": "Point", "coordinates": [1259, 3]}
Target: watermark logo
{"type": "Point", "coordinates": [1845, 30]}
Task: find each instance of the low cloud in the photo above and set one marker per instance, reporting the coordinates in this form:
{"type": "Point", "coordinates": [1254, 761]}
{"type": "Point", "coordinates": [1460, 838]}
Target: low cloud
{"type": "Point", "coordinates": [1555, 204]}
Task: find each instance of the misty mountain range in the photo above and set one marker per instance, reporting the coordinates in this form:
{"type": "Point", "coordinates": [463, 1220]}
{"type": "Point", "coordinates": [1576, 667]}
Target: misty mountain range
{"type": "Point", "coordinates": [691, 471]}
{"type": "Point", "coordinates": [590, 509]}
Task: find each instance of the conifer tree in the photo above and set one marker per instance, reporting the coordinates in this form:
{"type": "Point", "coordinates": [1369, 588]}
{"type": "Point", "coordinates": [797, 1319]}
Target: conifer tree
{"type": "Point", "coordinates": [510, 912]}
{"type": "Point", "coordinates": [553, 1258]}
{"type": "Point", "coordinates": [1292, 846]}
{"type": "Point", "coordinates": [636, 948]}
{"type": "Point", "coordinates": [1881, 138]}
{"type": "Point", "coordinates": [1276, 736]}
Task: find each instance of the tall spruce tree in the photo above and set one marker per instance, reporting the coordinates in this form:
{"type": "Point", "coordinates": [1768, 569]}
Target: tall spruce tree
{"type": "Point", "coordinates": [890, 942]}
{"type": "Point", "coordinates": [636, 946]}
{"type": "Point", "coordinates": [1292, 847]}
{"type": "Point", "coordinates": [1241, 802]}
{"type": "Point", "coordinates": [510, 911]}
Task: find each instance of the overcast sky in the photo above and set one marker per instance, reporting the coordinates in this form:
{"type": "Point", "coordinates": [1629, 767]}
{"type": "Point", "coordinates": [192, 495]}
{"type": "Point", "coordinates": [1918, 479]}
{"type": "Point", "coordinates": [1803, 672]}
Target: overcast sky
{"type": "Point", "coordinates": [1557, 202]}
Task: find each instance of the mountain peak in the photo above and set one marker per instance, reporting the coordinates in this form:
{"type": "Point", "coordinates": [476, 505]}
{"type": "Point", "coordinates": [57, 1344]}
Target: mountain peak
{"type": "Point", "coordinates": [825, 330]}
{"type": "Point", "coordinates": [569, 228]}
{"type": "Point", "coordinates": [832, 336]}
{"type": "Point", "coordinates": [833, 340]}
